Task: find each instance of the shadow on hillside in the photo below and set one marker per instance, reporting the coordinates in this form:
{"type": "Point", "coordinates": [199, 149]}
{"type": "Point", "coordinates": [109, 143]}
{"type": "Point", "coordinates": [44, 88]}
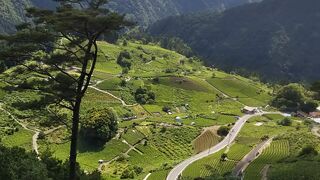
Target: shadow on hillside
{"type": "Point", "coordinates": [89, 145]}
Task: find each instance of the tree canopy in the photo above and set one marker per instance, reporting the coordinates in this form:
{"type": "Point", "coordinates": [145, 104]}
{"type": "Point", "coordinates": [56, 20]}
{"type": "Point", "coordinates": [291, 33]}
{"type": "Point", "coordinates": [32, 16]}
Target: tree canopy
{"type": "Point", "coordinates": [99, 125]}
{"type": "Point", "coordinates": [58, 51]}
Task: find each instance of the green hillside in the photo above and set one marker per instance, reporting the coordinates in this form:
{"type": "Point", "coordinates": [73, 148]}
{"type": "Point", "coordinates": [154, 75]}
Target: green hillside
{"type": "Point", "coordinates": [182, 84]}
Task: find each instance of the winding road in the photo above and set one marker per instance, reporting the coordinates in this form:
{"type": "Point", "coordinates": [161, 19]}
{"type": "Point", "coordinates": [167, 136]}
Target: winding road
{"type": "Point", "coordinates": [178, 169]}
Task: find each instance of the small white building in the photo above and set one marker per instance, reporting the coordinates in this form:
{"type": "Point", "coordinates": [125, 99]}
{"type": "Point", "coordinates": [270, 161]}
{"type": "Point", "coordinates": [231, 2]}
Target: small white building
{"type": "Point", "coordinates": [178, 119]}
{"type": "Point", "coordinates": [250, 110]}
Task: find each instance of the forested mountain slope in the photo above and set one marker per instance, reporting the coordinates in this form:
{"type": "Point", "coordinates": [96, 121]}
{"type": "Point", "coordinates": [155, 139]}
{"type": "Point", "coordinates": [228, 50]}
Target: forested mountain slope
{"type": "Point", "coordinates": [144, 12]}
{"type": "Point", "coordinates": [12, 12]}
{"type": "Point", "coordinates": [278, 39]}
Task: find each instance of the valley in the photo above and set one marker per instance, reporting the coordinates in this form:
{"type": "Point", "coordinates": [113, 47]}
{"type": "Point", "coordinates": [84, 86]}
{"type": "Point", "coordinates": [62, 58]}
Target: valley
{"type": "Point", "coordinates": [149, 138]}
{"type": "Point", "coordinates": [159, 90]}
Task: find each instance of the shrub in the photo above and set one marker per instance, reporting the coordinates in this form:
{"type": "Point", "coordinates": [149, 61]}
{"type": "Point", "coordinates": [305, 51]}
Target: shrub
{"type": "Point", "coordinates": [123, 59]}
{"type": "Point", "coordinates": [143, 96]}
{"type": "Point", "coordinates": [41, 135]}
{"type": "Point", "coordinates": [123, 83]}
{"type": "Point", "coordinates": [223, 131]}
{"type": "Point", "coordinates": [308, 150]}
{"type": "Point", "coordinates": [309, 106]}
{"type": "Point", "coordinates": [125, 43]}
{"type": "Point", "coordinates": [265, 137]}
{"type": "Point", "coordinates": [156, 80]}
{"type": "Point", "coordinates": [125, 70]}
{"type": "Point", "coordinates": [166, 108]}
{"type": "Point", "coordinates": [121, 158]}
{"type": "Point", "coordinates": [137, 169]}
{"type": "Point", "coordinates": [127, 174]}
{"type": "Point", "coordinates": [223, 157]}
{"type": "Point", "coordinates": [285, 122]}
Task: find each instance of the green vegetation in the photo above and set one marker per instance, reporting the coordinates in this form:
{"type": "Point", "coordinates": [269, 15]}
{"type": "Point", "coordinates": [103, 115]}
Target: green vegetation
{"type": "Point", "coordinates": [277, 151]}
{"type": "Point", "coordinates": [293, 98]}
{"type": "Point", "coordinates": [230, 43]}
{"type": "Point", "coordinates": [178, 98]}
{"type": "Point", "coordinates": [206, 140]}
{"type": "Point", "coordinates": [209, 166]}
{"type": "Point", "coordinates": [22, 139]}
{"type": "Point", "coordinates": [100, 125]}
{"type": "Point", "coordinates": [159, 175]}
{"type": "Point", "coordinates": [223, 131]}
{"type": "Point", "coordinates": [248, 93]}
{"type": "Point", "coordinates": [16, 163]}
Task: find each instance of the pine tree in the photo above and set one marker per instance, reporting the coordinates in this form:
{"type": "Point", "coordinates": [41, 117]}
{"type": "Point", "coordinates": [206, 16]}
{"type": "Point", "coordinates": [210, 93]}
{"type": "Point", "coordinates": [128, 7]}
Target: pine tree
{"type": "Point", "coordinates": [59, 51]}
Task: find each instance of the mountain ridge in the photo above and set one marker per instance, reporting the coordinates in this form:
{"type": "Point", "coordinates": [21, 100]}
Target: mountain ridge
{"type": "Point", "coordinates": [276, 39]}
{"type": "Point", "coordinates": [144, 12]}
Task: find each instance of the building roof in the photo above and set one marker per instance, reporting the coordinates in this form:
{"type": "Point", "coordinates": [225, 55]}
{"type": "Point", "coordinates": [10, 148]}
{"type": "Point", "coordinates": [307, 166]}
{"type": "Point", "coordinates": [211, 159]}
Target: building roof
{"type": "Point", "coordinates": [247, 108]}
{"type": "Point", "coordinates": [315, 114]}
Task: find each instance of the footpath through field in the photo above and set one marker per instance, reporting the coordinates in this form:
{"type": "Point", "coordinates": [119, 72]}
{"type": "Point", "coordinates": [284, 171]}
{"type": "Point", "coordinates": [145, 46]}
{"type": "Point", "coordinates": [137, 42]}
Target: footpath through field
{"type": "Point", "coordinates": [35, 131]}
{"type": "Point", "coordinates": [178, 169]}
{"type": "Point", "coordinates": [115, 97]}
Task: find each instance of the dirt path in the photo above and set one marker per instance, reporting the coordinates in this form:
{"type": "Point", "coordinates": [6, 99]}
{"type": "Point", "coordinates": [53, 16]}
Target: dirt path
{"type": "Point", "coordinates": [117, 157]}
{"type": "Point", "coordinates": [131, 148]}
{"type": "Point", "coordinates": [264, 172]}
{"type": "Point", "coordinates": [147, 176]}
{"type": "Point", "coordinates": [35, 146]}
{"type": "Point", "coordinates": [252, 155]}
{"type": "Point", "coordinates": [24, 126]}
{"type": "Point", "coordinates": [315, 130]}
{"type": "Point", "coordinates": [106, 92]}
{"type": "Point", "coordinates": [223, 94]}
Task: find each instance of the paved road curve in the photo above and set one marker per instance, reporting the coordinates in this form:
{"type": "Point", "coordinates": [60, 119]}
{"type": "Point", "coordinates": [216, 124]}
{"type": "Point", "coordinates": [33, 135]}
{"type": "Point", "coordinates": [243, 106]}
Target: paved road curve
{"type": "Point", "coordinates": [177, 170]}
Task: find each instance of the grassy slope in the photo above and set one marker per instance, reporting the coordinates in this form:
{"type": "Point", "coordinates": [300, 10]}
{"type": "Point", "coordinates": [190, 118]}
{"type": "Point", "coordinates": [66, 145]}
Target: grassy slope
{"type": "Point", "coordinates": [190, 83]}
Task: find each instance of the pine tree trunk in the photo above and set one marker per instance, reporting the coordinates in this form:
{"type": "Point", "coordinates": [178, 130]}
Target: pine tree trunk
{"type": "Point", "coordinates": [74, 140]}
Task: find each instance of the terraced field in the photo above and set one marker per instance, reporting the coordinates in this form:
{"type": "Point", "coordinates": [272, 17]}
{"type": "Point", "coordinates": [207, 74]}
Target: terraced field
{"type": "Point", "coordinates": [278, 150]}
{"type": "Point", "coordinates": [175, 143]}
{"type": "Point", "coordinates": [238, 151]}
{"type": "Point", "coordinates": [133, 136]}
{"type": "Point", "coordinates": [208, 166]}
{"type": "Point", "coordinates": [245, 92]}
{"type": "Point", "coordinates": [206, 140]}
{"type": "Point", "coordinates": [159, 175]}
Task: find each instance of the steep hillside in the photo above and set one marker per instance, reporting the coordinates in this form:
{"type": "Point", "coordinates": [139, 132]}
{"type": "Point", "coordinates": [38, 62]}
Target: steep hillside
{"type": "Point", "coordinates": [278, 39]}
{"type": "Point", "coordinates": [144, 12]}
{"type": "Point", "coordinates": [200, 96]}
{"type": "Point", "coordinates": [12, 12]}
